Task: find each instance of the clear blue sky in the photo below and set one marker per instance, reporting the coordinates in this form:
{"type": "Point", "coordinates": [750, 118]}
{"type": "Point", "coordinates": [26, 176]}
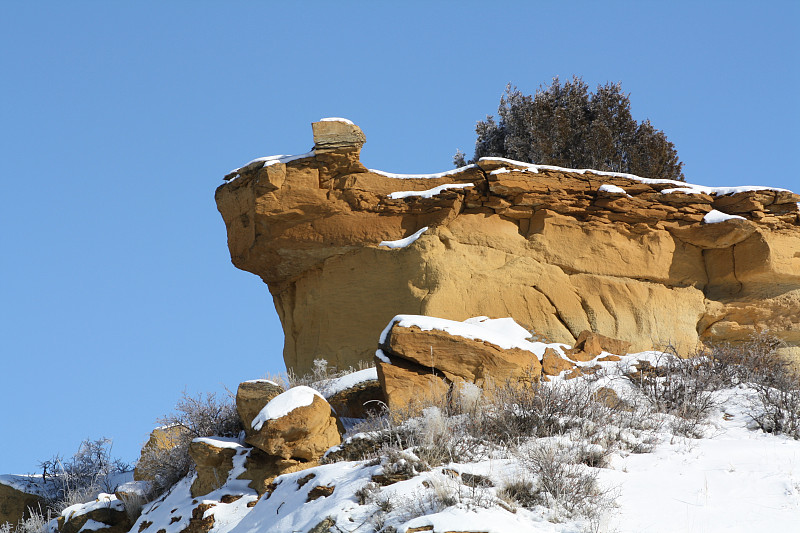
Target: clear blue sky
{"type": "Point", "coordinates": [120, 119]}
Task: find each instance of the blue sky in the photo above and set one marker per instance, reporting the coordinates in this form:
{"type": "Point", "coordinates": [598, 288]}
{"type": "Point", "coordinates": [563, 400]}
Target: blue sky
{"type": "Point", "coordinates": [120, 119]}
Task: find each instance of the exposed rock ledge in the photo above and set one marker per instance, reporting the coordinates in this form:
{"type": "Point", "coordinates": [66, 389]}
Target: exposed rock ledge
{"type": "Point", "coordinates": [553, 248]}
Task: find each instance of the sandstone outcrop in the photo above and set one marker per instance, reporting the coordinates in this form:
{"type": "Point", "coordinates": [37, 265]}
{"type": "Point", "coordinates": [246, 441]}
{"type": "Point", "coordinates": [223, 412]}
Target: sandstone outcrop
{"type": "Point", "coordinates": [161, 438]}
{"type": "Point", "coordinates": [661, 262]}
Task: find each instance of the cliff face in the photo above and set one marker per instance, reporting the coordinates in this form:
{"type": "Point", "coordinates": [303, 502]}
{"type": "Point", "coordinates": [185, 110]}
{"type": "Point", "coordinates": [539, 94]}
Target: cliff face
{"type": "Point", "coordinates": [561, 251]}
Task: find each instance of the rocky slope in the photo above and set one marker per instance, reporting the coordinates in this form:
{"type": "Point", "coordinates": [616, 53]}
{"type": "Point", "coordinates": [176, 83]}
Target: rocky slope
{"type": "Point", "coordinates": [561, 251]}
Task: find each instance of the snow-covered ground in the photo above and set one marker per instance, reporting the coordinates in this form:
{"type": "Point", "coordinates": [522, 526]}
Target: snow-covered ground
{"type": "Point", "coordinates": [735, 478]}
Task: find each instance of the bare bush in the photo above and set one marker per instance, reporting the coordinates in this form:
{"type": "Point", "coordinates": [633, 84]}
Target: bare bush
{"type": "Point", "coordinates": [82, 477]}
{"type": "Point", "coordinates": [200, 416]}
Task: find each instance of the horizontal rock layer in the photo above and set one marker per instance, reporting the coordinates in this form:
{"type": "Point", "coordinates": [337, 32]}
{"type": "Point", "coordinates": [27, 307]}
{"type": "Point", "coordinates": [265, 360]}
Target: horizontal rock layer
{"type": "Point", "coordinates": [543, 245]}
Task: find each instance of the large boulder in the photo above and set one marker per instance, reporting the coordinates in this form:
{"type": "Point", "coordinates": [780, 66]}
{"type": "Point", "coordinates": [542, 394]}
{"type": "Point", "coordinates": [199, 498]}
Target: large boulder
{"type": "Point", "coordinates": [422, 358]}
{"type": "Point", "coordinates": [296, 424]}
{"type": "Point", "coordinates": [161, 439]}
{"type": "Point", "coordinates": [547, 246]}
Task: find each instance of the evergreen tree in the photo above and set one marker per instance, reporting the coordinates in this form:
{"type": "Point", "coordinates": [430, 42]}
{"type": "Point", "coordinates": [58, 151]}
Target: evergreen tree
{"type": "Point", "coordinates": [566, 125]}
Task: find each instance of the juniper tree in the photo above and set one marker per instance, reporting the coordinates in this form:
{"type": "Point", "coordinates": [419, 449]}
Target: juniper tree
{"type": "Point", "coordinates": [564, 124]}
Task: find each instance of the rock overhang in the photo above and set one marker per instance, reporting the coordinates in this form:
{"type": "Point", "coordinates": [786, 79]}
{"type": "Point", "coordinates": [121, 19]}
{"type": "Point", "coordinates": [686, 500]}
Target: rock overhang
{"type": "Point", "coordinates": [560, 250]}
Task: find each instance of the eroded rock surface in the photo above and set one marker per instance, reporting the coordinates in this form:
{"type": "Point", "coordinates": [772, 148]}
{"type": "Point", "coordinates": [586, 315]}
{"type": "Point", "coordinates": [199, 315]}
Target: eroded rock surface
{"type": "Point", "coordinates": [544, 245]}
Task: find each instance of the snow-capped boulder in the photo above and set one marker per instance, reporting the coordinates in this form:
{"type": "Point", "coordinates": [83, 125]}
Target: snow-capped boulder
{"type": "Point", "coordinates": [421, 356]}
{"type": "Point", "coordinates": [251, 397]}
{"type": "Point", "coordinates": [296, 424]}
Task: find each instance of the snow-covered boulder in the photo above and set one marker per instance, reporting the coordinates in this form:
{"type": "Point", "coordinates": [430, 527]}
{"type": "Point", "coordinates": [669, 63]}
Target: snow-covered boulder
{"type": "Point", "coordinates": [296, 424]}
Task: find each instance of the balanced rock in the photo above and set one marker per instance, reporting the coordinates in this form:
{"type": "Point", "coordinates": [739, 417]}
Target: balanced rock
{"type": "Point", "coordinates": [343, 249]}
{"type": "Point", "coordinates": [296, 424]}
{"type": "Point", "coordinates": [251, 397]}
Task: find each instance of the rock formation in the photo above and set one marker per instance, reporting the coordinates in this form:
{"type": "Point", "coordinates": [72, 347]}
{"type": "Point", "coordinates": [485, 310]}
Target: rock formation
{"type": "Point", "coordinates": [561, 251]}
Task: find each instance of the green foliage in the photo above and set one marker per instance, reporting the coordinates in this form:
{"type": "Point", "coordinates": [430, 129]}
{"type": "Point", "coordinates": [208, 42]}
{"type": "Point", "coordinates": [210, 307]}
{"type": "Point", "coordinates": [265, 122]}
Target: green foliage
{"type": "Point", "coordinates": [566, 125]}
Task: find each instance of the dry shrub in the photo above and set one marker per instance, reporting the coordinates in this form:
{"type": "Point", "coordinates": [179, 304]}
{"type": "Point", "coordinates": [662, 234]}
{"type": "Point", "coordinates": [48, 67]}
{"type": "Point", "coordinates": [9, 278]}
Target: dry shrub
{"type": "Point", "coordinates": [200, 416]}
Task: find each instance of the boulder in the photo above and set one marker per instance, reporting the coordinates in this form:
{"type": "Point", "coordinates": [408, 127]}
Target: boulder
{"type": "Point", "coordinates": [16, 497]}
{"type": "Point", "coordinates": [251, 397]}
{"type": "Point", "coordinates": [459, 358]}
{"type": "Point", "coordinates": [296, 424]}
{"type": "Point", "coordinates": [543, 245]}
{"type": "Point", "coordinates": [589, 345]}
{"type": "Point", "coordinates": [407, 385]}
{"type": "Point", "coordinates": [422, 359]}
{"type": "Point", "coordinates": [553, 364]}
{"type": "Point", "coordinates": [213, 457]}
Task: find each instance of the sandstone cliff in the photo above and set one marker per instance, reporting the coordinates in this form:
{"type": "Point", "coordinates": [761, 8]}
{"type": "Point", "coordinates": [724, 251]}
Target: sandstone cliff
{"type": "Point", "coordinates": [561, 251]}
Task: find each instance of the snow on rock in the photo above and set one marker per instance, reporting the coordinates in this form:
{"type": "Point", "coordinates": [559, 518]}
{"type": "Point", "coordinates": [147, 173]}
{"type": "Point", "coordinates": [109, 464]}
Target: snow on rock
{"type": "Point", "coordinates": [103, 501]}
{"type": "Point", "coordinates": [337, 385]}
{"type": "Point", "coordinates": [382, 356]}
{"type": "Point", "coordinates": [718, 191]}
{"type": "Point", "coordinates": [285, 403]}
{"type": "Point", "coordinates": [402, 243]}
{"type": "Point", "coordinates": [607, 187]}
{"type": "Point", "coordinates": [269, 381]}
{"type": "Point", "coordinates": [220, 442]}
{"type": "Point", "coordinates": [503, 332]}
{"type": "Point", "coordinates": [337, 119]}
{"type": "Point", "coordinates": [423, 176]}
{"type": "Point", "coordinates": [92, 525]}
{"type": "Point", "coordinates": [430, 193]}
{"type": "Point", "coordinates": [267, 161]}
{"type": "Point", "coordinates": [714, 216]}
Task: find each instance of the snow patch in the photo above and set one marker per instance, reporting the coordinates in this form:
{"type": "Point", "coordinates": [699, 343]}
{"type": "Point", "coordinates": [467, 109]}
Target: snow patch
{"type": "Point", "coordinates": [503, 332]}
{"type": "Point", "coordinates": [422, 176]}
{"type": "Point", "coordinates": [284, 403]}
{"type": "Point", "coordinates": [337, 119]}
{"type": "Point", "coordinates": [714, 217]}
{"type": "Point", "coordinates": [337, 385]}
{"type": "Point", "coordinates": [430, 193]}
{"type": "Point", "coordinates": [382, 356]}
{"type": "Point", "coordinates": [402, 243]}
{"type": "Point", "coordinates": [613, 189]}
{"type": "Point", "coordinates": [718, 191]}
{"type": "Point", "coordinates": [220, 442]}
